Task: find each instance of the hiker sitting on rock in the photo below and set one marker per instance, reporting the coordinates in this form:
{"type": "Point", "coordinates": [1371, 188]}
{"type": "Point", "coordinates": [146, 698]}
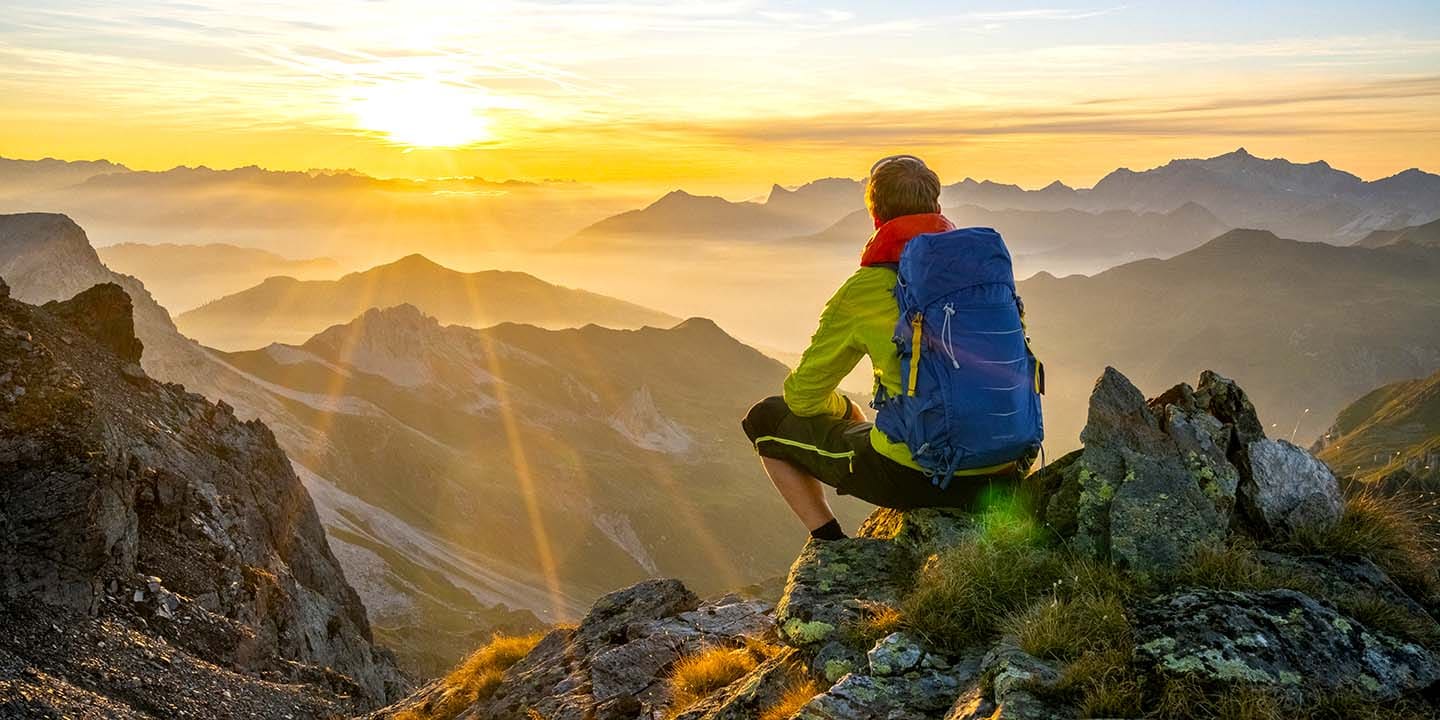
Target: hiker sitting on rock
{"type": "Point", "coordinates": [957, 390]}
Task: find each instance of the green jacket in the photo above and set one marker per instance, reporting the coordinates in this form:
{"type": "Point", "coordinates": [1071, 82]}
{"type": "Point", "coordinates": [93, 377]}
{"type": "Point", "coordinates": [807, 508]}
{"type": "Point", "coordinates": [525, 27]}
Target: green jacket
{"type": "Point", "coordinates": [858, 321]}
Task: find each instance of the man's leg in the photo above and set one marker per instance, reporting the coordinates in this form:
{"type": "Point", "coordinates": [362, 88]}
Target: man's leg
{"type": "Point", "coordinates": [797, 456]}
{"type": "Point", "coordinates": [802, 492]}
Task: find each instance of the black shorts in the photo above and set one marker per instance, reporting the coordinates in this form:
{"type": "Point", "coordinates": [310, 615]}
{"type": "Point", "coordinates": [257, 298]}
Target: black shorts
{"type": "Point", "coordinates": [837, 452]}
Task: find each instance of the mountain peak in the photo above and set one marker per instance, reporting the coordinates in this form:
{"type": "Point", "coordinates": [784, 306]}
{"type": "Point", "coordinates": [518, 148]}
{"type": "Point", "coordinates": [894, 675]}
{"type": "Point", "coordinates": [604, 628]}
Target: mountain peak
{"type": "Point", "coordinates": [414, 262]}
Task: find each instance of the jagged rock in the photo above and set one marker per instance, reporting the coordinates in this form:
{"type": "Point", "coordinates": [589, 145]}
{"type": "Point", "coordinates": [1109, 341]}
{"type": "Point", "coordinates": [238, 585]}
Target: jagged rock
{"type": "Point", "coordinates": [105, 314]}
{"type": "Point", "coordinates": [615, 663]}
{"type": "Point", "coordinates": [915, 695]}
{"type": "Point", "coordinates": [1286, 488]}
{"type": "Point", "coordinates": [1010, 668]}
{"type": "Point", "coordinates": [834, 583]}
{"type": "Point", "coordinates": [895, 654]}
{"type": "Point", "coordinates": [750, 696]}
{"type": "Point", "coordinates": [921, 531]}
{"type": "Point", "coordinates": [1155, 481]}
{"type": "Point", "coordinates": [650, 600]}
{"type": "Point", "coordinates": [1222, 398]}
{"type": "Point", "coordinates": [1278, 638]}
{"type": "Point", "coordinates": [108, 482]}
{"type": "Point", "coordinates": [836, 658]}
{"type": "Point", "coordinates": [4, 289]}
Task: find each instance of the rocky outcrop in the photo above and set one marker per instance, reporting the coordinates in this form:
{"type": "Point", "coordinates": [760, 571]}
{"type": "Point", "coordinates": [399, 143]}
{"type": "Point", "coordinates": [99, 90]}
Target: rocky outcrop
{"type": "Point", "coordinates": [146, 514]}
{"type": "Point", "coordinates": [1159, 479]}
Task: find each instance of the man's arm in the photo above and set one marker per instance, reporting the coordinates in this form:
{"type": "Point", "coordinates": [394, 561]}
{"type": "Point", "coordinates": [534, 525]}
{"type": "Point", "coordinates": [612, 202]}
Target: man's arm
{"type": "Point", "coordinates": [810, 390]}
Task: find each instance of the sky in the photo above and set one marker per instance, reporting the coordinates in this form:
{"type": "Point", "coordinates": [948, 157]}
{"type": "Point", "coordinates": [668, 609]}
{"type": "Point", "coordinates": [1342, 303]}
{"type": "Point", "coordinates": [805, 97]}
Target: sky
{"type": "Point", "coordinates": [719, 96]}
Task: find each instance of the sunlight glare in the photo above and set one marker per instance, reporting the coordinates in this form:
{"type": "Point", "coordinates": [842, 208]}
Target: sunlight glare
{"type": "Point", "coordinates": [425, 114]}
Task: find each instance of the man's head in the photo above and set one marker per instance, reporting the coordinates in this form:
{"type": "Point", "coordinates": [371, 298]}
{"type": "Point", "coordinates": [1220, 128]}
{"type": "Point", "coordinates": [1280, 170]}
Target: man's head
{"type": "Point", "coordinates": [901, 185]}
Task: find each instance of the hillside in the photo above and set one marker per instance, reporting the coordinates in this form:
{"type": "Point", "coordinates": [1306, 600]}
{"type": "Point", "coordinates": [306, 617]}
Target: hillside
{"type": "Point", "coordinates": [159, 555]}
{"type": "Point", "coordinates": [284, 309]}
{"type": "Point", "coordinates": [526, 467]}
{"type": "Point", "coordinates": [1261, 592]}
{"type": "Point", "coordinates": [1306, 326]}
{"type": "Point", "coordinates": [1427, 235]}
{"type": "Point", "coordinates": [182, 277]}
{"type": "Point", "coordinates": [1391, 435]}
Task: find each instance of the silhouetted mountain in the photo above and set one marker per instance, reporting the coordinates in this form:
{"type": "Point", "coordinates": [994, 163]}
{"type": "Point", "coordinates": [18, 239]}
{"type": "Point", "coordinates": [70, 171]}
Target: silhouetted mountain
{"type": "Point", "coordinates": [1302, 325]}
{"type": "Point", "coordinates": [1390, 436]}
{"type": "Point", "coordinates": [1427, 235]}
{"type": "Point", "coordinates": [158, 553]}
{"type": "Point", "coordinates": [286, 309]}
{"type": "Point", "coordinates": [1310, 201]}
{"type": "Point", "coordinates": [1064, 241]}
{"type": "Point", "coordinates": [819, 199]}
{"type": "Point", "coordinates": [31, 176]}
{"type": "Point", "coordinates": [527, 467]}
{"type": "Point", "coordinates": [185, 276]}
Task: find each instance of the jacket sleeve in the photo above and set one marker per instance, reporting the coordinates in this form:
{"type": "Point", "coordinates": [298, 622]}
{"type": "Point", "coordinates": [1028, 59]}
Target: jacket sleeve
{"type": "Point", "coordinates": [834, 351]}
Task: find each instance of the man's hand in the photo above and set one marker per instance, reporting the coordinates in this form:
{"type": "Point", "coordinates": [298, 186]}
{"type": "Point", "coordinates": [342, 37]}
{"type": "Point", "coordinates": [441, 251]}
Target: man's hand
{"type": "Point", "coordinates": [855, 413]}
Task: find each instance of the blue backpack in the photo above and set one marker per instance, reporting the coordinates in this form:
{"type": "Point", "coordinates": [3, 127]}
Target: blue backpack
{"type": "Point", "coordinates": [970, 398]}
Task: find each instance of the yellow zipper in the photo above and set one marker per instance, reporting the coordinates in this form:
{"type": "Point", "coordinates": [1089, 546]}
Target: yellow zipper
{"type": "Point", "coordinates": [915, 332]}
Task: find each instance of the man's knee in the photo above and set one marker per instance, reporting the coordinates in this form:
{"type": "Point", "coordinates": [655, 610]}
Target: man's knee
{"type": "Point", "coordinates": [764, 418]}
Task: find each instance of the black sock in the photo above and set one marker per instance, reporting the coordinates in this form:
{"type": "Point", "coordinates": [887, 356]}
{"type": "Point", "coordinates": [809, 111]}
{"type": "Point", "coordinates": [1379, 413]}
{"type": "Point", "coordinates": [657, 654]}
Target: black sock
{"type": "Point", "coordinates": [828, 531]}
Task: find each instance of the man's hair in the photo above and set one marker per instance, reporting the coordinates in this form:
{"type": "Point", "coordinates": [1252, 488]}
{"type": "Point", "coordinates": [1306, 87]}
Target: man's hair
{"type": "Point", "coordinates": [901, 185]}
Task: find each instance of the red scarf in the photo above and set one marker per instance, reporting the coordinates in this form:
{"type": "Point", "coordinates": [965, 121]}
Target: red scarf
{"type": "Point", "coordinates": [889, 239]}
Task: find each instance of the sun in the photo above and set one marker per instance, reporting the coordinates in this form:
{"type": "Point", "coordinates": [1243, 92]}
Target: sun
{"type": "Point", "coordinates": [425, 114]}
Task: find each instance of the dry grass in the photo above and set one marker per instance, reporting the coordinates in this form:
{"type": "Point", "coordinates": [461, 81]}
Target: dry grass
{"type": "Point", "coordinates": [1063, 630]}
{"type": "Point", "coordinates": [1392, 530]}
{"type": "Point", "coordinates": [1377, 614]}
{"type": "Point", "coordinates": [696, 676]}
{"type": "Point", "coordinates": [475, 678]}
{"type": "Point", "coordinates": [962, 594]}
{"type": "Point", "coordinates": [875, 623]}
{"type": "Point", "coordinates": [795, 697]}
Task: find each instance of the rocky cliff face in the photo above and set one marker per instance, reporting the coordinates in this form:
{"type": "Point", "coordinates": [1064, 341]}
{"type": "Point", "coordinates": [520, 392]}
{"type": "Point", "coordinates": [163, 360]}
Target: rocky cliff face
{"type": "Point", "coordinates": [1180, 565]}
{"type": "Point", "coordinates": [157, 556]}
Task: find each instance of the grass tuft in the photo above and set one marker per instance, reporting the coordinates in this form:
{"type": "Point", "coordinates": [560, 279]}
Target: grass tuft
{"type": "Point", "coordinates": [1063, 630]}
{"type": "Point", "coordinates": [1392, 530]}
{"type": "Point", "coordinates": [475, 678]}
{"type": "Point", "coordinates": [1377, 614]}
{"type": "Point", "coordinates": [961, 594]}
{"type": "Point", "coordinates": [696, 676]}
{"type": "Point", "coordinates": [795, 697]}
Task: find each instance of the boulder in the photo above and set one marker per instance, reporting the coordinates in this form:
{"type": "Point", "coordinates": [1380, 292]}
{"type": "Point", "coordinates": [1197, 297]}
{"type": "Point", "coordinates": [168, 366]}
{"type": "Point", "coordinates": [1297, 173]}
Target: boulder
{"type": "Point", "coordinates": [915, 695]}
{"type": "Point", "coordinates": [922, 531]}
{"type": "Point", "coordinates": [835, 583]}
{"type": "Point", "coordinates": [1285, 488]}
{"type": "Point", "coordinates": [612, 615]}
{"type": "Point", "coordinates": [1151, 485]}
{"type": "Point", "coordinates": [1279, 638]}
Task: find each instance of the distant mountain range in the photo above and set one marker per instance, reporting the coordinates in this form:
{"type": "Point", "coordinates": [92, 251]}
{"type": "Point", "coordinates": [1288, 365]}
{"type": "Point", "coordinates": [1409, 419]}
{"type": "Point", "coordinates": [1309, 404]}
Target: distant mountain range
{"type": "Point", "coordinates": [1390, 436]}
{"type": "Point", "coordinates": [1306, 327]}
{"type": "Point", "coordinates": [289, 310]}
{"type": "Point", "coordinates": [182, 277]}
{"type": "Point", "coordinates": [1310, 201]}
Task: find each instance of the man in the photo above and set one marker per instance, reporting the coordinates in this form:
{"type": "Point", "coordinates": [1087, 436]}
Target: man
{"type": "Point", "coordinates": [813, 434]}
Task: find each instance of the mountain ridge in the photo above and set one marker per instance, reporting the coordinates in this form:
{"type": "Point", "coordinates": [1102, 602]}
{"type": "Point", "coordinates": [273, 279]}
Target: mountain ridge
{"type": "Point", "coordinates": [290, 309]}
